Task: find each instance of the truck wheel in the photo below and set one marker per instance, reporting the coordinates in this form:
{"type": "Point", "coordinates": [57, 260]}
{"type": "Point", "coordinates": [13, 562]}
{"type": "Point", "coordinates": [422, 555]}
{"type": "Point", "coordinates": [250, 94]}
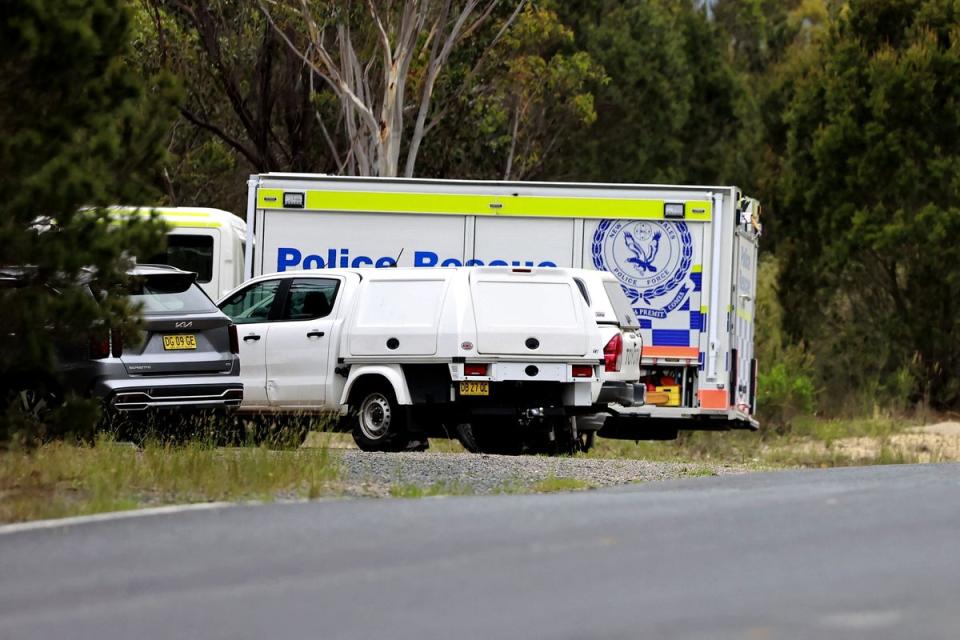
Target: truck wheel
{"type": "Point", "coordinates": [379, 423]}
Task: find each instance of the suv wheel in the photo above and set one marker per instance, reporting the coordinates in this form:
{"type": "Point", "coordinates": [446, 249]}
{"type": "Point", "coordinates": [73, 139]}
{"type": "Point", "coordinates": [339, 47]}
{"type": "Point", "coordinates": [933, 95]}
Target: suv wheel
{"type": "Point", "coordinates": [37, 402]}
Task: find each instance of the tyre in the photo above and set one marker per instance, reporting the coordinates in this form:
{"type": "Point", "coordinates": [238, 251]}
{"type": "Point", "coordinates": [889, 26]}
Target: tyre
{"type": "Point", "coordinates": [464, 434]}
{"type": "Point", "coordinates": [37, 402]}
{"type": "Point", "coordinates": [566, 439]}
{"type": "Point", "coordinates": [587, 440]}
{"type": "Point", "coordinates": [379, 423]}
{"type": "Point", "coordinates": [488, 435]}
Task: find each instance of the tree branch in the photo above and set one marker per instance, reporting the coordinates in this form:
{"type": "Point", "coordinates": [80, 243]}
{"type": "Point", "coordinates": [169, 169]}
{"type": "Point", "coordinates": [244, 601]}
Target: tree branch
{"type": "Point", "coordinates": [220, 133]}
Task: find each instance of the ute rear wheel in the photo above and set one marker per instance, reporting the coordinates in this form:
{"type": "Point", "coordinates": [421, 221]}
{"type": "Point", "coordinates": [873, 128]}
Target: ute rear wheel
{"type": "Point", "coordinates": [489, 435]}
{"type": "Point", "coordinates": [561, 438]}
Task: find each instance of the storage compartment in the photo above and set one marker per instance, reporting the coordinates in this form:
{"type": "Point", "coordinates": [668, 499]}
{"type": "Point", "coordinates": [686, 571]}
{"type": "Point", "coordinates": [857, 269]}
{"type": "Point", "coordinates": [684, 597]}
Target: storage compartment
{"type": "Point", "coordinates": [397, 317]}
{"type": "Point", "coordinates": [520, 316]}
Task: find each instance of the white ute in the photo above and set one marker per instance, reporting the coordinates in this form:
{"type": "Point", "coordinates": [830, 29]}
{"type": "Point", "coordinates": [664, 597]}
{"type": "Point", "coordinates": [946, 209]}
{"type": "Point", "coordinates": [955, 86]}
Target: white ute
{"type": "Point", "coordinates": [404, 354]}
{"type": "Point", "coordinates": [620, 385]}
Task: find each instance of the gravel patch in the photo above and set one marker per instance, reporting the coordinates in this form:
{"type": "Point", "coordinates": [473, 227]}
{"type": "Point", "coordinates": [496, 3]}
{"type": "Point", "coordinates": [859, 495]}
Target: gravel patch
{"type": "Point", "coordinates": [375, 474]}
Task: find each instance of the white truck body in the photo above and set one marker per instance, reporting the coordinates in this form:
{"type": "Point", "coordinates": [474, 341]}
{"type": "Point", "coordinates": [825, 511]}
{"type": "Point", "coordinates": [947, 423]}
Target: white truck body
{"type": "Point", "coordinates": [686, 257]}
{"type": "Point", "coordinates": [451, 343]}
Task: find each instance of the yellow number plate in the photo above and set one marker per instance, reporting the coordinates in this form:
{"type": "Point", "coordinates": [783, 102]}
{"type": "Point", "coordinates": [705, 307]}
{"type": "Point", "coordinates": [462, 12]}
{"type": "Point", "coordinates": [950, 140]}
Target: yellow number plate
{"type": "Point", "coordinates": [475, 388]}
{"type": "Point", "coordinates": [176, 343]}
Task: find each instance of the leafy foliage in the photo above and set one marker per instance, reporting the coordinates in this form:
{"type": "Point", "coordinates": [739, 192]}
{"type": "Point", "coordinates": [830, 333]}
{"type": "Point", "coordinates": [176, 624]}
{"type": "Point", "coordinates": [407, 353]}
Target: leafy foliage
{"type": "Point", "coordinates": [78, 130]}
{"type": "Point", "coordinates": [872, 184]}
{"type": "Point", "coordinates": [531, 91]}
{"type": "Point", "coordinates": [785, 388]}
{"type": "Point", "coordinates": [673, 107]}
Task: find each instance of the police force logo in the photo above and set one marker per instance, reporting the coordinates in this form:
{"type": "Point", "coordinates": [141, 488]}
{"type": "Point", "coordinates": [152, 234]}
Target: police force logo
{"type": "Point", "coordinates": [650, 258]}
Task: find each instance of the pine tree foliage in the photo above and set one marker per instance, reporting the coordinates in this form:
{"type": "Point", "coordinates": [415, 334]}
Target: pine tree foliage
{"type": "Point", "coordinates": [77, 130]}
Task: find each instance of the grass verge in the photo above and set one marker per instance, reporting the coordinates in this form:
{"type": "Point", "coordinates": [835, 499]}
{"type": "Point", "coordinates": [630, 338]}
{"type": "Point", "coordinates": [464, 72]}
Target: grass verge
{"type": "Point", "coordinates": [813, 442]}
{"type": "Point", "coordinates": [59, 480]}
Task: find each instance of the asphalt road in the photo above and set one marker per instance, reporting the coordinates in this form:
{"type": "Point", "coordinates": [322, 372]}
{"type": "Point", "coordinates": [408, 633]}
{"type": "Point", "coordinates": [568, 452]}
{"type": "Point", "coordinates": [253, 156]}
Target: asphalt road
{"type": "Point", "coordinates": [843, 553]}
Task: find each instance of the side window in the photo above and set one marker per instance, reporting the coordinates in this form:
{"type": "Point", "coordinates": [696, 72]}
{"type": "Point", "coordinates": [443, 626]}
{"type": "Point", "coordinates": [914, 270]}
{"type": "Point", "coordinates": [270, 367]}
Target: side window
{"type": "Point", "coordinates": [310, 298]}
{"type": "Point", "coordinates": [583, 290]}
{"type": "Point", "coordinates": [253, 303]}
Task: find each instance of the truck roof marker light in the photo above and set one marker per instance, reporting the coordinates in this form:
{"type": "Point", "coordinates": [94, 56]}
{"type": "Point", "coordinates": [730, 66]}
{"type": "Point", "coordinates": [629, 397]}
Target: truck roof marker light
{"type": "Point", "coordinates": [674, 210]}
{"type": "Point", "coordinates": [294, 200]}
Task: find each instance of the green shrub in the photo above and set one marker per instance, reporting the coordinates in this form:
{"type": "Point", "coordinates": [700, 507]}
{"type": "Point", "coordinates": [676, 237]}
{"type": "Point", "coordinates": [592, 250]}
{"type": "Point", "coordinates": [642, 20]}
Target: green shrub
{"type": "Point", "coordinates": [784, 392]}
{"type": "Point", "coordinates": [785, 383]}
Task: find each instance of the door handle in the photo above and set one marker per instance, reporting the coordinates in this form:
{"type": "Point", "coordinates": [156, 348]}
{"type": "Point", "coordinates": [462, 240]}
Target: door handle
{"type": "Point", "coordinates": [315, 334]}
{"type": "Point", "coordinates": [251, 338]}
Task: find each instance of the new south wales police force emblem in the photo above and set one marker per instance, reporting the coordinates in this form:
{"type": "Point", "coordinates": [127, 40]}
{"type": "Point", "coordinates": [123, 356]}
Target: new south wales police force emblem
{"type": "Point", "coordinates": [652, 260]}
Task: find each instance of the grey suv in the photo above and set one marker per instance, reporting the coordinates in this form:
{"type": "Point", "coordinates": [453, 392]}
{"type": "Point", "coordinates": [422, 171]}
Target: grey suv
{"type": "Point", "coordinates": [185, 358]}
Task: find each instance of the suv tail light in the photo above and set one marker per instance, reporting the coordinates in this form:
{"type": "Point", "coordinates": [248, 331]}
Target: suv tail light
{"type": "Point", "coordinates": [100, 346]}
{"type": "Point", "coordinates": [475, 369]}
{"type": "Point", "coordinates": [116, 342]}
{"type": "Point", "coordinates": [582, 371]}
{"type": "Point", "coordinates": [234, 340]}
{"type": "Point", "coordinates": [612, 353]}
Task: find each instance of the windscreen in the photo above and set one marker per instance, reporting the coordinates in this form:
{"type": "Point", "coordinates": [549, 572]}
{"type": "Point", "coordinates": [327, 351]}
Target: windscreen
{"type": "Point", "coordinates": [169, 294]}
{"type": "Point", "coordinates": [621, 306]}
{"type": "Point", "coordinates": [190, 253]}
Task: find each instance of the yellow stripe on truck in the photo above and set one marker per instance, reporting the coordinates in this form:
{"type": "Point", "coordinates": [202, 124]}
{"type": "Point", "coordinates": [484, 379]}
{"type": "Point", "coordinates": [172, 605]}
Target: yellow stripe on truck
{"type": "Point", "coordinates": [482, 205]}
{"type": "Point", "coordinates": [192, 224]}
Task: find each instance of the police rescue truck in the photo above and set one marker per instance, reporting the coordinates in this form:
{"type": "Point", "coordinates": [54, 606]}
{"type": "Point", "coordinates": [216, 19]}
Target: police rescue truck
{"type": "Point", "coordinates": [686, 257]}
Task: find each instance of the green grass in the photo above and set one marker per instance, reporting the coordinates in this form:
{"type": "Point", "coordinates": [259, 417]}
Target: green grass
{"type": "Point", "coordinates": [412, 490]}
{"type": "Point", "coordinates": [59, 479]}
{"type": "Point", "coordinates": [552, 484]}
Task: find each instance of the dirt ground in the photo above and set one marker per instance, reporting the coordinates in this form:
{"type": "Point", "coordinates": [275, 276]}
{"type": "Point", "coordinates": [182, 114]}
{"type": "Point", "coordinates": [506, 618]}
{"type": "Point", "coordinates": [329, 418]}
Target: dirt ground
{"type": "Point", "coordinates": [938, 442]}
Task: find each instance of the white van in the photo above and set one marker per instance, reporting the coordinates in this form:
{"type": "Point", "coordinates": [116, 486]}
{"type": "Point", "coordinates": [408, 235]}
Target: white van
{"type": "Point", "coordinates": [405, 354]}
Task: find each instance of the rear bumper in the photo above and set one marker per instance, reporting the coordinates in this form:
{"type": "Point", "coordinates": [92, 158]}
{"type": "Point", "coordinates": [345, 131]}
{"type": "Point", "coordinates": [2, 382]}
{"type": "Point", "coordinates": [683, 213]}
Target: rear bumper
{"type": "Point", "coordinates": [515, 395]}
{"type": "Point", "coordinates": [663, 423]}
{"type": "Point", "coordinates": [627, 394]}
{"type": "Point", "coordinates": [690, 419]}
{"type": "Point", "coordinates": [182, 393]}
